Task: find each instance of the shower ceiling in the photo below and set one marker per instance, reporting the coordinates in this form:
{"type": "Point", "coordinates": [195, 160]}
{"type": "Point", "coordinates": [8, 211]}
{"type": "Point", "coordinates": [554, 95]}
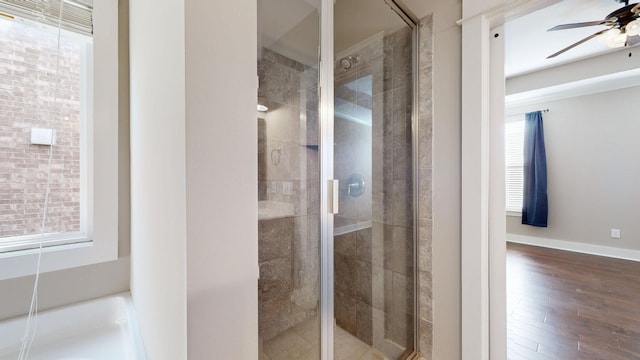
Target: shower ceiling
{"type": "Point", "coordinates": [289, 35]}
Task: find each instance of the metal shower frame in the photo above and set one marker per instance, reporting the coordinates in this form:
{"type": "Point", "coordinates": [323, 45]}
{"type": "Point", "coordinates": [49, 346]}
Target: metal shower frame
{"type": "Point", "coordinates": [328, 188]}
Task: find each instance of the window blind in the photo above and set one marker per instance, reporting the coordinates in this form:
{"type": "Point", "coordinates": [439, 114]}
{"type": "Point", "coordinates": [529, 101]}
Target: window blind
{"type": "Point", "coordinates": [76, 14]}
{"type": "Point", "coordinates": [514, 161]}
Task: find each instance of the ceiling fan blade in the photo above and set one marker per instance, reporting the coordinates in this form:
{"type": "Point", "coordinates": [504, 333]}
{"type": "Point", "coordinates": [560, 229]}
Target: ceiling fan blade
{"type": "Point", "coordinates": [633, 40]}
{"type": "Point", "coordinates": [577, 25]}
{"type": "Point", "coordinates": [576, 44]}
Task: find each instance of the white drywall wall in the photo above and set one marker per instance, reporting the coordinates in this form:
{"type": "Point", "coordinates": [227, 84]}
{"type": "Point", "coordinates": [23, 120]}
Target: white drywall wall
{"type": "Point", "coordinates": [222, 195]}
{"type": "Point", "coordinates": [592, 169]}
{"type": "Point", "coordinates": [158, 185]}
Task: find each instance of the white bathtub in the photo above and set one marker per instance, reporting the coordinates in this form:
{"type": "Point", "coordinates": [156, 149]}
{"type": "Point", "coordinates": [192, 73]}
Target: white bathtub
{"type": "Point", "coordinates": [101, 329]}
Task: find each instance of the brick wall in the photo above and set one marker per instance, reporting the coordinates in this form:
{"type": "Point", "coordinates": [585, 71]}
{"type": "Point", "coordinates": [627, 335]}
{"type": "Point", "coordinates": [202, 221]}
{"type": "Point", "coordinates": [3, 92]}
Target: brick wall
{"type": "Point", "coordinates": [28, 61]}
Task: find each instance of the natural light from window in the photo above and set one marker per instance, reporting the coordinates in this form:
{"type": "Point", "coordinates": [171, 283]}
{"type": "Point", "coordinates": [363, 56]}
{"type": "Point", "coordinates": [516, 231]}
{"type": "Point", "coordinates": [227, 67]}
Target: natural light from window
{"type": "Point", "coordinates": [83, 219]}
{"type": "Point", "coordinates": [30, 102]}
{"type": "Point", "coordinates": [514, 160]}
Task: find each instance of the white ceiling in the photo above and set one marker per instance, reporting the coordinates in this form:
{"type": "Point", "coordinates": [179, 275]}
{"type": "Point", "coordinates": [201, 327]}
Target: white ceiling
{"type": "Point", "coordinates": [528, 42]}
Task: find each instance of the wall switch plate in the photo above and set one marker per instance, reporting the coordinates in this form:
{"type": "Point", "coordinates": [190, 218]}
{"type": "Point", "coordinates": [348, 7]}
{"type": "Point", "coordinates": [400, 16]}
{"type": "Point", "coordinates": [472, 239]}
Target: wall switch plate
{"type": "Point", "coordinates": [615, 233]}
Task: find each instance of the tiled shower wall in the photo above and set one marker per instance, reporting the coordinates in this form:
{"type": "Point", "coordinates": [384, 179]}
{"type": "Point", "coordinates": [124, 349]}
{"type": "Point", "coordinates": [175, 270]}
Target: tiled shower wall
{"type": "Point", "coordinates": [373, 267]}
{"type": "Point", "coordinates": [288, 194]}
{"type": "Point", "coordinates": [393, 192]}
{"type": "Point", "coordinates": [352, 155]}
{"type": "Point", "coordinates": [425, 195]}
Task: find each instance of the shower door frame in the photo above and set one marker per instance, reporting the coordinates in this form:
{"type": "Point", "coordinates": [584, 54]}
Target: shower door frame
{"type": "Point", "coordinates": [328, 192]}
{"type": "Point", "coordinates": [325, 141]}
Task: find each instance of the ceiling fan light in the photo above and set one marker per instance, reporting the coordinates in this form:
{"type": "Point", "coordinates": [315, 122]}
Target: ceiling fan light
{"type": "Point", "coordinates": [614, 38]}
{"type": "Point", "coordinates": [633, 28]}
{"type": "Point", "coordinates": [609, 35]}
{"type": "Point", "coordinates": [618, 41]}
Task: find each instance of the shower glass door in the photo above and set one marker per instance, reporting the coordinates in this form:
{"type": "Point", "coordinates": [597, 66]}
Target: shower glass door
{"type": "Point", "coordinates": [288, 180]}
{"type": "Point", "coordinates": [336, 257]}
{"type": "Point", "coordinates": [373, 230]}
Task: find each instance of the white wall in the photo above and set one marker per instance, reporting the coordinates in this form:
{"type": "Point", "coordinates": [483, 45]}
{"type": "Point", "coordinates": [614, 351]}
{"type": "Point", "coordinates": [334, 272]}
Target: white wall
{"type": "Point", "coordinates": [158, 186]}
{"type": "Point", "coordinates": [592, 169]}
{"type": "Point", "coordinates": [194, 166]}
{"type": "Point", "coordinates": [222, 165]}
{"type": "Point", "coordinates": [65, 287]}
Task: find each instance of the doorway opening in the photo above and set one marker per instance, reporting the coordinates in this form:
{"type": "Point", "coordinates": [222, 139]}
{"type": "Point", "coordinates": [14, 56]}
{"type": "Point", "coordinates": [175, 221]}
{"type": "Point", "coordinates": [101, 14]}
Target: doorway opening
{"type": "Point", "coordinates": [552, 287]}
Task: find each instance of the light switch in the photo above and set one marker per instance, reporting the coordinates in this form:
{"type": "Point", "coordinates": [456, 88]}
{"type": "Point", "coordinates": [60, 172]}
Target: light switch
{"type": "Point", "coordinates": [41, 136]}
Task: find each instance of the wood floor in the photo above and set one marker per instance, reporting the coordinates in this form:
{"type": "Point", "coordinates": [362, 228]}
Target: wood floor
{"type": "Point", "coordinates": [565, 305]}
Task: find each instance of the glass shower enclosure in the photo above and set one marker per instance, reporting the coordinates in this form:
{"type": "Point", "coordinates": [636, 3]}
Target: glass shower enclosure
{"type": "Point", "coordinates": [336, 180]}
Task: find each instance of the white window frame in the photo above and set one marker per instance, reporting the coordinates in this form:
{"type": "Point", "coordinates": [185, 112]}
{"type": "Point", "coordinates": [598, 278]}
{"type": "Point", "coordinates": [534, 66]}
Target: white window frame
{"type": "Point", "coordinates": [11, 244]}
{"type": "Point", "coordinates": [101, 243]}
{"type": "Point", "coordinates": [510, 210]}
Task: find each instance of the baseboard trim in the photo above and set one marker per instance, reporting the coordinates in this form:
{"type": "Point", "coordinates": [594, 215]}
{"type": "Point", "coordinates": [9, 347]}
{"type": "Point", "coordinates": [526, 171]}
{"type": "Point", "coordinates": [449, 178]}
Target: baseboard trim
{"type": "Point", "coordinates": [612, 252]}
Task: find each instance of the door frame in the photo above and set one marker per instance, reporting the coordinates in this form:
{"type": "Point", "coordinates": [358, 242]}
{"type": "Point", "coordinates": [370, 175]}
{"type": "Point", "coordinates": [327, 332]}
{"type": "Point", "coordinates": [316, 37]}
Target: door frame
{"type": "Point", "coordinates": [483, 232]}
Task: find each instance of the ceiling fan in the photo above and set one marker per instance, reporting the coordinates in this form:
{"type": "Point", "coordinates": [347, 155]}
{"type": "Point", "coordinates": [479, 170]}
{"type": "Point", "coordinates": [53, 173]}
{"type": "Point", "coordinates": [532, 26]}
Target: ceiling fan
{"type": "Point", "coordinates": [624, 28]}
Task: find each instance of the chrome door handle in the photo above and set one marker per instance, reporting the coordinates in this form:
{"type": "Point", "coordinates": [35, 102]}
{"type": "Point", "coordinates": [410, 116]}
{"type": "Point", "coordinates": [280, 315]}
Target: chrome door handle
{"type": "Point", "coordinates": [334, 199]}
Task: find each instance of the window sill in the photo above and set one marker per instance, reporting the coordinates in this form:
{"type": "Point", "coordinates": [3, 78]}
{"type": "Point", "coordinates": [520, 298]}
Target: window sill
{"type": "Point", "coordinates": [514, 213]}
{"type": "Point", "coordinates": [59, 257]}
{"type": "Point", "coordinates": [12, 245]}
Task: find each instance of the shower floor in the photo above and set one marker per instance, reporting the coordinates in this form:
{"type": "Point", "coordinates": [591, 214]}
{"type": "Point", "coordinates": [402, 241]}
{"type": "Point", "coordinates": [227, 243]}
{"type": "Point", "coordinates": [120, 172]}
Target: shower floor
{"type": "Point", "coordinates": [302, 343]}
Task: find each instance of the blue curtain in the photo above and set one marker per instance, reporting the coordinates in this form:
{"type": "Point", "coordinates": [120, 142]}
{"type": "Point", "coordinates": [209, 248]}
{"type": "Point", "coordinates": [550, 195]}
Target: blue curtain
{"type": "Point", "coordinates": [535, 206]}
